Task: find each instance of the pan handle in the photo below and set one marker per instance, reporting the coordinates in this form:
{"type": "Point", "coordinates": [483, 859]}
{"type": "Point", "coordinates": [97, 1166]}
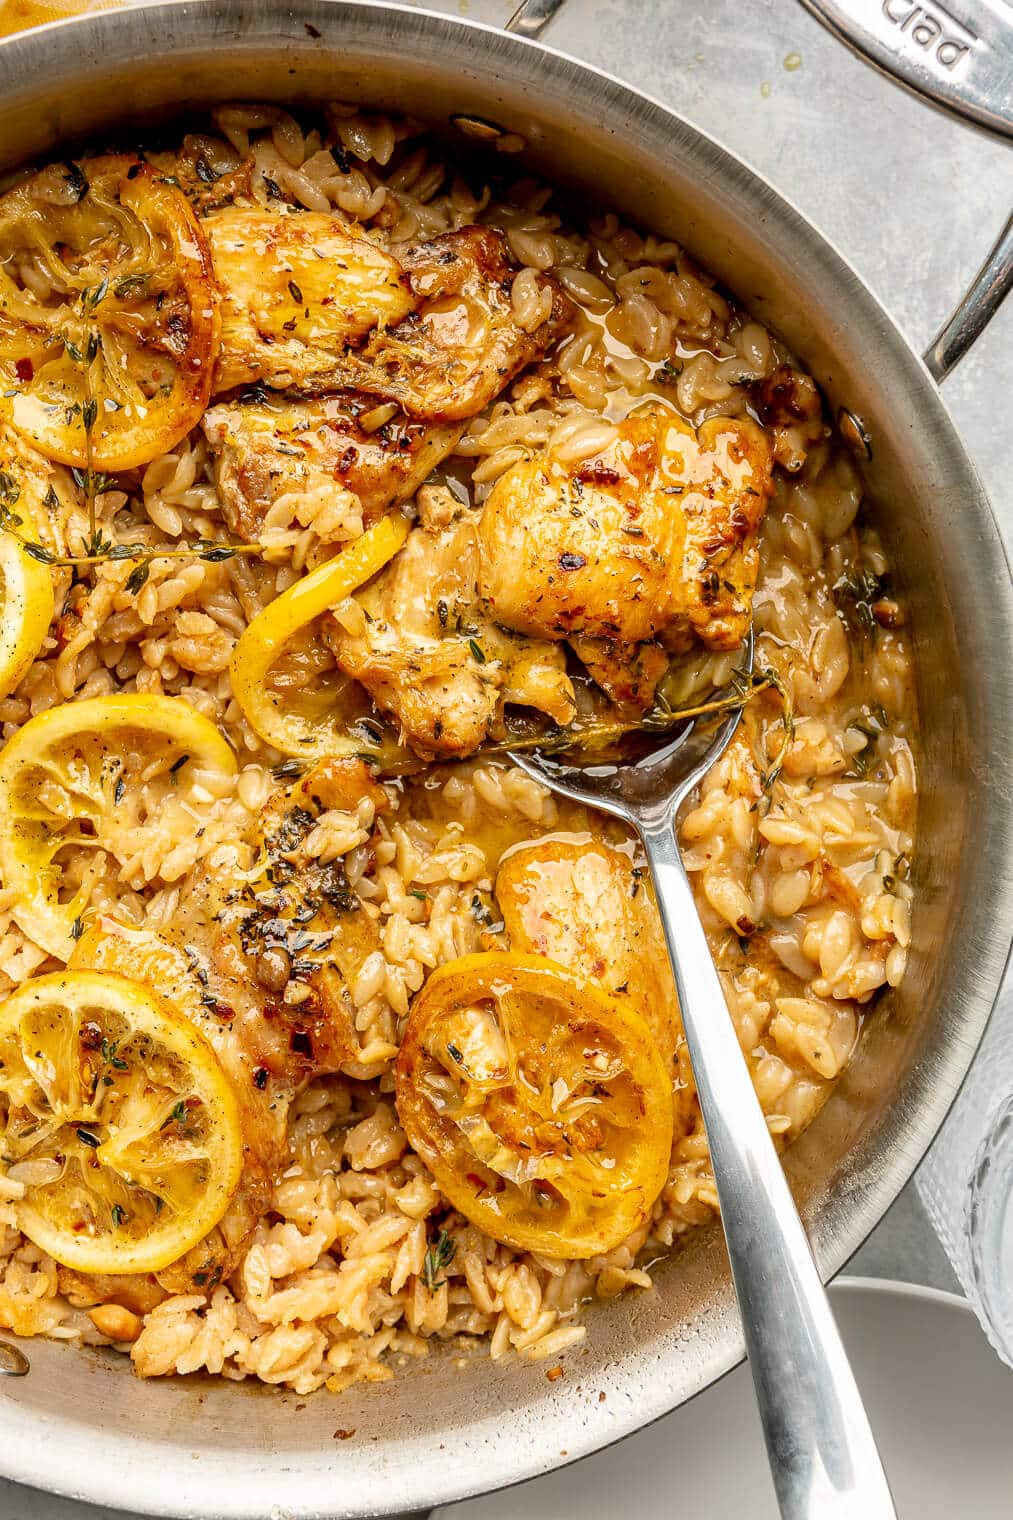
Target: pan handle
{"type": "Point", "coordinates": [532, 17]}
{"type": "Point", "coordinates": [986, 293]}
{"type": "Point", "coordinates": [964, 66]}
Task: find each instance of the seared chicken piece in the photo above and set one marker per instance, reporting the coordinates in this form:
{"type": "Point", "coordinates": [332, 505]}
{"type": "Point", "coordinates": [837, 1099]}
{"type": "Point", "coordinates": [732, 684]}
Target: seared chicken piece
{"type": "Point", "coordinates": [272, 448]}
{"type": "Point", "coordinates": [234, 947]}
{"type": "Point", "coordinates": [428, 654]}
{"type": "Point", "coordinates": [655, 535]}
{"type": "Point", "coordinates": [584, 904]}
{"type": "Point", "coordinates": [136, 1291]}
{"type": "Point", "coordinates": [295, 291]}
{"type": "Point", "coordinates": [628, 673]}
{"type": "Point", "coordinates": [463, 344]}
{"type": "Point", "coordinates": [306, 304]}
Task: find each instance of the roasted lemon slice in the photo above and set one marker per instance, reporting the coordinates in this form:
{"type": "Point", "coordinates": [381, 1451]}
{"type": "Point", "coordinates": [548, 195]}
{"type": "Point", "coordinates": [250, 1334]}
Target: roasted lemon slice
{"type": "Point", "coordinates": [118, 1121]}
{"type": "Point", "coordinates": [30, 488]}
{"type": "Point", "coordinates": [109, 321]}
{"type": "Point", "coordinates": [26, 607]}
{"type": "Point", "coordinates": [273, 676]}
{"type": "Point", "coordinates": [541, 1106]}
{"type": "Point", "coordinates": [77, 782]}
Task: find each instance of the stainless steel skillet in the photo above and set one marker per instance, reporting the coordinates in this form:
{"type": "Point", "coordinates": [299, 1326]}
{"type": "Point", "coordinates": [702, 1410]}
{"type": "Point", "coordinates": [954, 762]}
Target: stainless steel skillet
{"type": "Point", "coordinates": [80, 1423]}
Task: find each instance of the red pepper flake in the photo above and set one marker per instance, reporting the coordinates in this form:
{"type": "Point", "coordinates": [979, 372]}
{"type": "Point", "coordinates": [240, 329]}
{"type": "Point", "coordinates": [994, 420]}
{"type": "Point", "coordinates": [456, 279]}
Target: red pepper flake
{"type": "Point", "coordinates": [554, 1374]}
{"type": "Point", "coordinates": [597, 473]}
{"type": "Point", "coordinates": [219, 1009]}
{"type": "Point", "coordinates": [25, 370]}
{"type": "Point", "coordinates": [344, 1435]}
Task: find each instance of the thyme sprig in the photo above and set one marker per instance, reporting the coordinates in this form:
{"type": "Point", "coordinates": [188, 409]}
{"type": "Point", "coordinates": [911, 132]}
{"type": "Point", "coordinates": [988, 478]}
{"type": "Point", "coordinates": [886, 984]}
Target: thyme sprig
{"type": "Point", "coordinates": [855, 594]}
{"type": "Point", "coordinates": [97, 548]}
{"type": "Point", "coordinates": [662, 717]}
{"type": "Point", "coordinates": [210, 550]}
{"type": "Point", "coordinates": [90, 299]}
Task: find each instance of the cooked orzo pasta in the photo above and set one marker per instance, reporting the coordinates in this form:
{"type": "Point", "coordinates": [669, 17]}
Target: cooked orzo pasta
{"type": "Point", "coordinates": [330, 468]}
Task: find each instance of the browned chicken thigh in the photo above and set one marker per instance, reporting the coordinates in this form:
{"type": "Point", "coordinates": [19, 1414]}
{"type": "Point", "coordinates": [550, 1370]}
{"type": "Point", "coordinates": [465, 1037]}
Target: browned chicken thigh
{"type": "Point", "coordinates": [430, 326]}
{"type": "Point", "coordinates": [430, 656]}
{"type": "Point", "coordinates": [295, 291]}
{"type": "Point", "coordinates": [655, 536]}
{"type": "Point", "coordinates": [463, 343]}
{"type": "Point", "coordinates": [275, 446]}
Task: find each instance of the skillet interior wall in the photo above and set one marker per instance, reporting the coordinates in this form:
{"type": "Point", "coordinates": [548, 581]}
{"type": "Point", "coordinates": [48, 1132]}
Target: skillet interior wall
{"type": "Point", "coordinates": [874, 1129]}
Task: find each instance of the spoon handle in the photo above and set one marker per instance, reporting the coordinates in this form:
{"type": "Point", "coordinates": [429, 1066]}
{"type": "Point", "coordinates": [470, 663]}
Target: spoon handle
{"type": "Point", "coordinates": [822, 1454]}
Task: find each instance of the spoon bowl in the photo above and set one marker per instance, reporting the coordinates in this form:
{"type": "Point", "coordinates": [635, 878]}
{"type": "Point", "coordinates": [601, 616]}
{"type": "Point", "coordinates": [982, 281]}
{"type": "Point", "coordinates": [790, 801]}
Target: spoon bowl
{"type": "Point", "coordinates": [657, 783]}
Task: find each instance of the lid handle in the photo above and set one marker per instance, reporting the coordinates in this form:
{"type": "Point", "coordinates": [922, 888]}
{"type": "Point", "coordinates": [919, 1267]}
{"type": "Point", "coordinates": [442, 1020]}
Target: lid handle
{"type": "Point", "coordinates": [957, 54]}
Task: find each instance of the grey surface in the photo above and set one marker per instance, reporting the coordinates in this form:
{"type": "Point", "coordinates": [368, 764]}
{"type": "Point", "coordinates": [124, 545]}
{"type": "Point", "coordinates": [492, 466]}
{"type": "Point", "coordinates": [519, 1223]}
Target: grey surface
{"type": "Point", "coordinates": [911, 198]}
{"type": "Point", "coordinates": [904, 1246]}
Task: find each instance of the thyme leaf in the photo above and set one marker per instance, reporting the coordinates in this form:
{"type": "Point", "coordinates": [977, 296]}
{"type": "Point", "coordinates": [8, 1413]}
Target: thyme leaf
{"type": "Point", "coordinates": [39, 552]}
{"type": "Point", "coordinates": [438, 1256]}
{"type": "Point", "coordinates": [772, 680]}
{"type": "Point", "coordinates": [855, 592]}
{"type": "Point", "coordinates": [138, 577]}
{"type": "Point", "coordinates": [130, 285]}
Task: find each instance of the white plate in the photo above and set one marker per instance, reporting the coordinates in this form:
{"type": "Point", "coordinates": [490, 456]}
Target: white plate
{"type": "Point", "coordinates": [940, 1401]}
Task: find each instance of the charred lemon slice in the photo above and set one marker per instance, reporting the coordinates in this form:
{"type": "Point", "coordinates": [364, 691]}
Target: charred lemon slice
{"type": "Point", "coordinates": [540, 1105]}
{"type": "Point", "coordinates": [274, 677]}
{"type": "Point", "coordinates": [76, 785]}
{"type": "Point", "coordinates": [109, 321]}
{"type": "Point", "coordinates": [26, 606]}
{"type": "Point", "coordinates": [117, 1120]}
{"type": "Point", "coordinates": [28, 494]}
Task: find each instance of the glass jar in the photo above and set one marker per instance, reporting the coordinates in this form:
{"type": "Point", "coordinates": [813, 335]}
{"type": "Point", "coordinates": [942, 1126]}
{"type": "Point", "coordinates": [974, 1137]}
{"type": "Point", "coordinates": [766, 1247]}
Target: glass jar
{"type": "Point", "coordinates": [966, 1181]}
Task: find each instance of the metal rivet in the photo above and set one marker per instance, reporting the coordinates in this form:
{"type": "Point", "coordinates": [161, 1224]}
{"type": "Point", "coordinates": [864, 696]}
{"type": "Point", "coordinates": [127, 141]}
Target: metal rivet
{"type": "Point", "coordinates": [478, 127]}
{"type": "Point", "coordinates": [13, 1362]}
{"type": "Point", "coordinates": [855, 433]}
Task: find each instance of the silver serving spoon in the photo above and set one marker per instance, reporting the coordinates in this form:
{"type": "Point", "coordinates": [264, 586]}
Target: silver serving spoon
{"type": "Point", "coordinates": [822, 1454]}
